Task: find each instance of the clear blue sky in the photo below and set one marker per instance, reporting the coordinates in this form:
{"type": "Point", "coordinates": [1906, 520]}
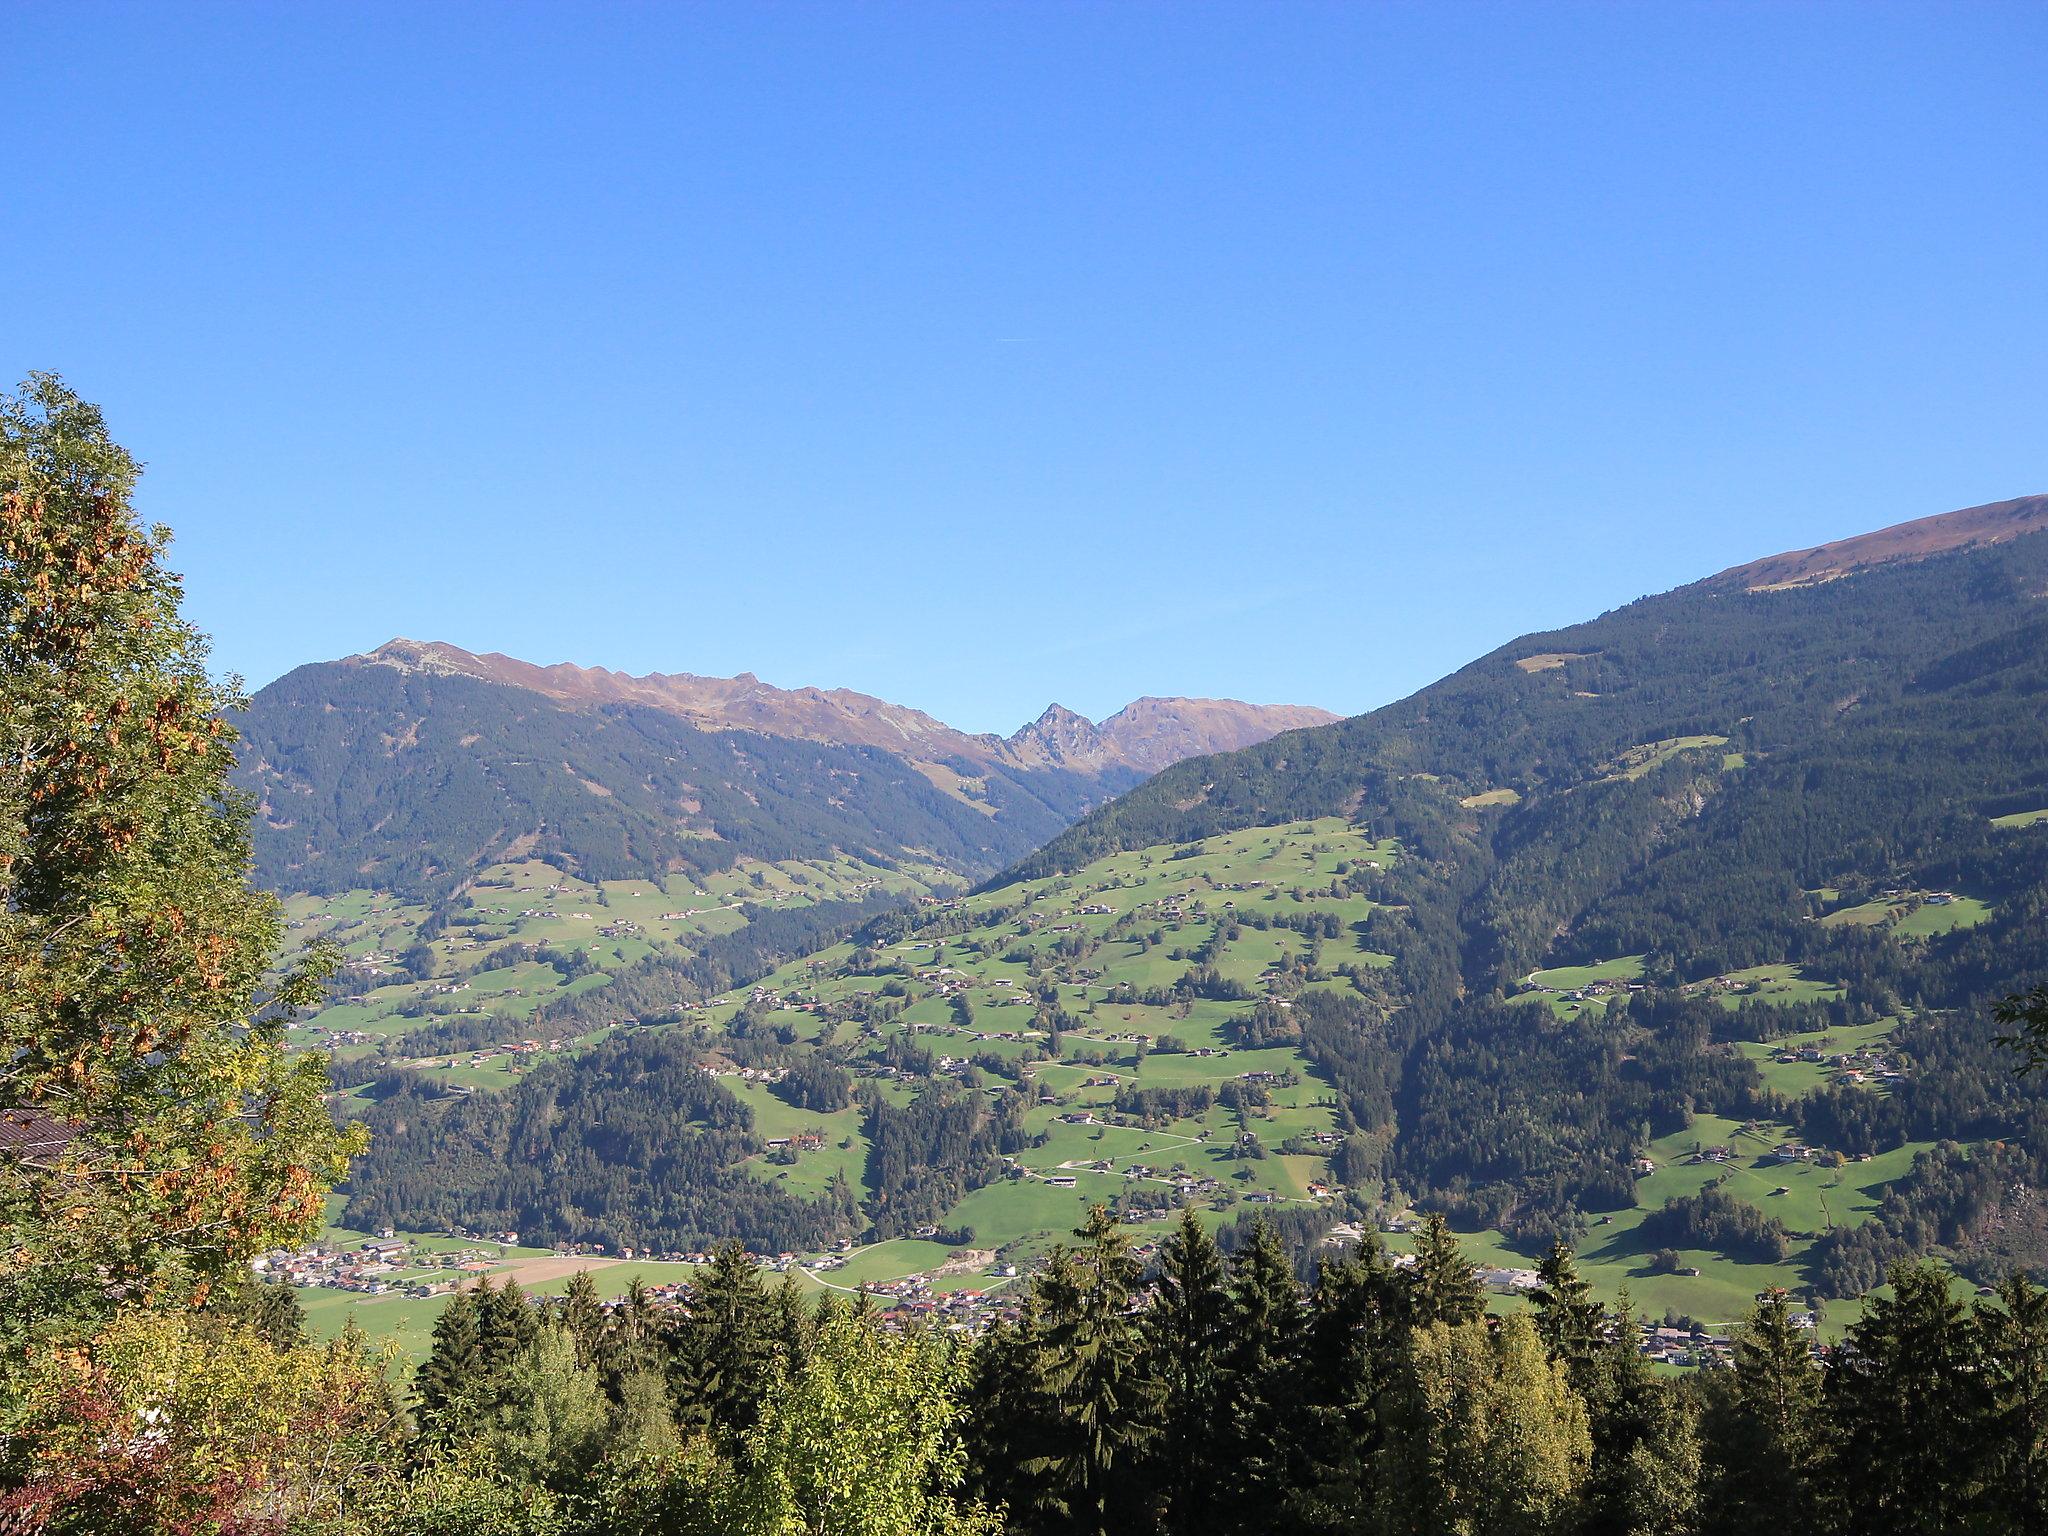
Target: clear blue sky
{"type": "Point", "coordinates": [980, 355]}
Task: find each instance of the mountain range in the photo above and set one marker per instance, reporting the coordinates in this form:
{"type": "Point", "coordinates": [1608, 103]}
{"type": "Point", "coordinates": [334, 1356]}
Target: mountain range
{"type": "Point", "coordinates": [1675, 932]}
{"type": "Point", "coordinates": [413, 765]}
{"type": "Point", "coordinates": [1144, 736]}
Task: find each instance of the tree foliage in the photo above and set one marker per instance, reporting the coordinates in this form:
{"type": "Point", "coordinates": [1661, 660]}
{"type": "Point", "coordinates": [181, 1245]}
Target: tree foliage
{"type": "Point", "coordinates": [159, 1135]}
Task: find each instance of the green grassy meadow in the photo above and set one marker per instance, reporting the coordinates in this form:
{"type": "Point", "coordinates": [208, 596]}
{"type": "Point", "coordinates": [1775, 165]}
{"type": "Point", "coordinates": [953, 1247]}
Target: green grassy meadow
{"type": "Point", "coordinates": [1270, 908]}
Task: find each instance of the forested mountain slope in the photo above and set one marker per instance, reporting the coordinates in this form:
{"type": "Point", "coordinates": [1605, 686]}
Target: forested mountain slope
{"type": "Point", "coordinates": [1838, 774]}
{"type": "Point", "coordinates": [408, 781]}
{"type": "Point", "coordinates": [1673, 932]}
{"type": "Point", "coordinates": [1611, 780]}
{"type": "Point", "coordinates": [412, 767]}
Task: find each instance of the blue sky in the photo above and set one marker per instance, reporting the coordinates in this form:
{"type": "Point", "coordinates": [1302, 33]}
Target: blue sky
{"type": "Point", "coordinates": [981, 355]}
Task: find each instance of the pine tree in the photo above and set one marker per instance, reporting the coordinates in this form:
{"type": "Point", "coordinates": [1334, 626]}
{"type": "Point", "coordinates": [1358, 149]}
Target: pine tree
{"type": "Point", "coordinates": [1443, 1283]}
{"type": "Point", "coordinates": [453, 1370]}
{"type": "Point", "coordinates": [726, 1350]}
{"type": "Point", "coordinates": [1185, 1330]}
{"type": "Point", "coordinates": [1765, 1435]}
{"type": "Point", "coordinates": [1568, 1320]}
{"type": "Point", "coordinates": [1260, 1382]}
{"type": "Point", "coordinates": [2015, 1353]}
{"type": "Point", "coordinates": [582, 1317]}
{"type": "Point", "coordinates": [1905, 1399]}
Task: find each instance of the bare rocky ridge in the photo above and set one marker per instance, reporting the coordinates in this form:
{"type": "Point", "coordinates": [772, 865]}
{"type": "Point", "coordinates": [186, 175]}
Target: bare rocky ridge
{"type": "Point", "coordinates": [1152, 734]}
{"type": "Point", "coordinates": [1059, 738]}
{"type": "Point", "coordinates": [1970, 528]}
{"type": "Point", "coordinates": [1144, 736]}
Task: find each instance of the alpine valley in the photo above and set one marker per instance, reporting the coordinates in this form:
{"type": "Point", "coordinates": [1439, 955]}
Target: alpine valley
{"type": "Point", "coordinates": [1674, 933]}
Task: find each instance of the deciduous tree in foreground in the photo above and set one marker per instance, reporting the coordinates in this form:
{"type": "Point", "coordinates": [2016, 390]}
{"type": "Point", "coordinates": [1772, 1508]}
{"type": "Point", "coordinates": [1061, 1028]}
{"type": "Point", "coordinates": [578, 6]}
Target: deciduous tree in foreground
{"type": "Point", "coordinates": [155, 1133]}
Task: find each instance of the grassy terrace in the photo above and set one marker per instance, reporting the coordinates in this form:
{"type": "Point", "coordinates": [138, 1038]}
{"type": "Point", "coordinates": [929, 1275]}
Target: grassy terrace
{"type": "Point", "coordinates": [1098, 940]}
{"type": "Point", "coordinates": [1913, 914]}
{"type": "Point", "coordinates": [1118, 924]}
{"type": "Point", "coordinates": [1637, 761]}
{"type": "Point", "coordinates": [475, 973]}
{"type": "Point", "coordinates": [1781, 985]}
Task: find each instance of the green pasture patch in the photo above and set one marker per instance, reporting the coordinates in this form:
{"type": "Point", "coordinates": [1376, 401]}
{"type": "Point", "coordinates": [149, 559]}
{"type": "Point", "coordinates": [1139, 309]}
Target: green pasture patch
{"type": "Point", "coordinates": [1931, 919]}
{"type": "Point", "coordinates": [892, 1260]}
{"type": "Point", "coordinates": [1637, 761]}
{"type": "Point", "coordinates": [1796, 1079]}
{"type": "Point", "coordinates": [1013, 1210]}
{"type": "Point", "coordinates": [1780, 985]}
{"type": "Point", "coordinates": [1486, 799]}
{"type": "Point", "coordinates": [1913, 914]}
{"type": "Point", "coordinates": [1569, 978]}
{"type": "Point", "coordinates": [2021, 819]}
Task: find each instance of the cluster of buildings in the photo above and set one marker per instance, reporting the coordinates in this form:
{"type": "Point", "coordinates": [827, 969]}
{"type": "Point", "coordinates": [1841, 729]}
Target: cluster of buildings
{"type": "Point", "coordinates": [1592, 991]}
{"type": "Point", "coordinates": [516, 1048]}
{"type": "Point", "coordinates": [1686, 1347]}
{"type": "Point", "coordinates": [330, 1039]}
{"type": "Point", "coordinates": [745, 1074]}
{"type": "Point", "coordinates": [913, 1301]}
{"type": "Point", "coordinates": [378, 1266]}
{"type": "Point", "coordinates": [1858, 1066]}
{"type": "Point", "coordinates": [1697, 1346]}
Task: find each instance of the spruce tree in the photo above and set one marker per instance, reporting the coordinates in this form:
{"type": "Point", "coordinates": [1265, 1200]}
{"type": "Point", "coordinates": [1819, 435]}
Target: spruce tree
{"type": "Point", "coordinates": [1905, 1397]}
{"type": "Point", "coordinates": [1764, 1431]}
{"type": "Point", "coordinates": [1568, 1320]}
{"type": "Point", "coordinates": [1656, 1490]}
{"type": "Point", "coordinates": [632, 1343]}
{"type": "Point", "coordinates": [1627, 1408]}
{"type": "Point", "coordinates": [2015, 1354]}
{"type": "Point", "coordinates": [582, 1316]}
{"type": "Point", "coordinates": [268, 1309]}
{"type": "Point", "coordinates": [1090, 1366]}
{"type": "Point", "coordinates": [506, 1328]}
{"type": "Point", "coordinates": [792, 1327]}
{"type": "Point", "coordinates": [275, 1314]}
{"type": "Point", "coordinates": [726, 1350]}
{"type": "Point", "coordinates": [1261, 1382]}
{"type": "Point", "coordinates": [1355, 1343]}
{"type": "Point", "coordinates": [1010, 1425]}
{"type": "Point", "coordinates": [1443, 1283]}
{"type": "Point", "coordinates": [453, 1371]}
{"type": "Point", "coordinates": [1185, 1330]}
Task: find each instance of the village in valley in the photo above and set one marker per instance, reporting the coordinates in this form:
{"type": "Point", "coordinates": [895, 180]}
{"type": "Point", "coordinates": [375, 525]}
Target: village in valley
{"type": "Point", "coordinates": [1143, 1003]}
